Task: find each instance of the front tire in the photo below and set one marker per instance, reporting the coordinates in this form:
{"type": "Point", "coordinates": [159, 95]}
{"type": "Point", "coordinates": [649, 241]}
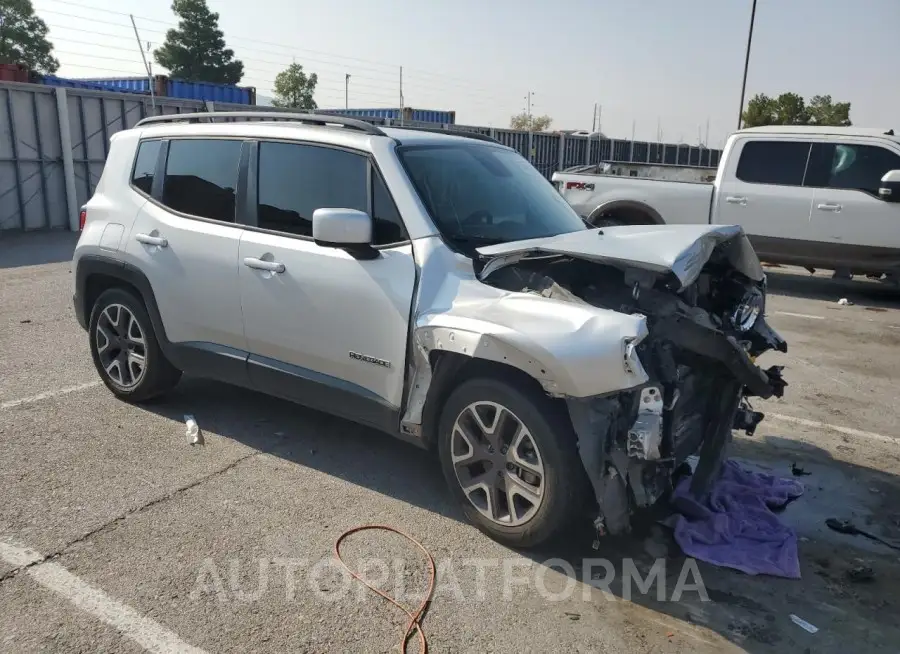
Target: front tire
{"type": "Point", "coordinates": [508, 453]}
{"type": "Point", "coordinates": [125, 349]}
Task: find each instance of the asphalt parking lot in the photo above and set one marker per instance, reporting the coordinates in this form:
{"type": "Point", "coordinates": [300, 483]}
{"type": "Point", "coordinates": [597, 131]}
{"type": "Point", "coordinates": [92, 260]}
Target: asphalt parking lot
{"type": "Point", "coordinates": [116, 535]}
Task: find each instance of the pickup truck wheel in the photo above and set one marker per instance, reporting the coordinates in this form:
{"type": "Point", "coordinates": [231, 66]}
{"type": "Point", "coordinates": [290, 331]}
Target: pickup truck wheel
{"type": "Point", "coordinates": [125, 350]}
{"type": "Point", "coordinates": [509, 455]}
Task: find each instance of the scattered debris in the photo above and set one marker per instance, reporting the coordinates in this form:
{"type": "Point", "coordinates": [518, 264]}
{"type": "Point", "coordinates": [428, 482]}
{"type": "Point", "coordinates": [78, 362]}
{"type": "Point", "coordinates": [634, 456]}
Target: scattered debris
{"type": "Point", "coordinates": [844, 302]}
{"type": "Point", "coordinates": [797, 471]}
{"type": "Point", "coordinates": [194, 436]}
{"type": "Point", "coordinates": [874, 490]}
{"type": "Point", "coordinates": [861, 573]}
{"type": "Point", "coordinates": [800, 622]}
{"type": "Point", "coordinates": [573, 616]}
{"type": "Point", "coordinates": [847, 527]}
{"type": "Point", "coordinates": [876, 309]}
{"type": "Point", "coordinates": [27, 321]}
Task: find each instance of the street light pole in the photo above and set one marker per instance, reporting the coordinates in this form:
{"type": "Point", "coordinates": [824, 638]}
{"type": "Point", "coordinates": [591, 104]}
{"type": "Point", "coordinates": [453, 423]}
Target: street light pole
{"type": "Point", "coordinates": [747, 63]}
{"type": "Point", "coordinates": [347, 91]}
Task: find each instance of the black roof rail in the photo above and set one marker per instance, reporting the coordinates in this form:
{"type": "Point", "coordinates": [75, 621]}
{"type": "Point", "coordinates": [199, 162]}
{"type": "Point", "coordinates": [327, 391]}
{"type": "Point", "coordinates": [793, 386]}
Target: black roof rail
{"type": "Point", "coordinates": [438, 130]}
{"type": "Point", "coordinates": [308, 119]}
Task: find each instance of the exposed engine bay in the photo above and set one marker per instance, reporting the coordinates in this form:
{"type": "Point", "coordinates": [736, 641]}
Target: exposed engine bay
{"type": "Point", "coordinates": [704, 338]}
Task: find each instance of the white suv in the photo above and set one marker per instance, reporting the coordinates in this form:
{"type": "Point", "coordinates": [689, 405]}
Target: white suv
{"type": "Point", "coordinates": [432, 286]}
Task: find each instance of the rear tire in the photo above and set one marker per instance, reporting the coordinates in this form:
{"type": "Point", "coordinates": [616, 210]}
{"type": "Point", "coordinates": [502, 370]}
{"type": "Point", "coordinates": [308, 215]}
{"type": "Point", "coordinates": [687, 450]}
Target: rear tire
{"type": "Point", "coordinates": [125, 349]}
{"type": "Point", "coordinates": [533, 433]}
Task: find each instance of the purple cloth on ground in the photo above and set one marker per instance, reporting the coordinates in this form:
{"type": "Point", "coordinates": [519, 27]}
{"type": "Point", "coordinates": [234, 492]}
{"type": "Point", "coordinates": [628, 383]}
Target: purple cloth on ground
{"type": "Point", "coordinates": [733, 525]}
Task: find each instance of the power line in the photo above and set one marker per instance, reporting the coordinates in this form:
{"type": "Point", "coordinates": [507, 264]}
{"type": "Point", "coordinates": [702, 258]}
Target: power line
{"type": "Point", "coordinates": [250, 40]}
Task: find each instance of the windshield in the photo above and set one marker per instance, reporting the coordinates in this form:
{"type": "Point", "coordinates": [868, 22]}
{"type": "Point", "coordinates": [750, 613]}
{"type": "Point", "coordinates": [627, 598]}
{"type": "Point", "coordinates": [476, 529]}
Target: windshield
{"type": "Point", "coordinates": [479, 194]}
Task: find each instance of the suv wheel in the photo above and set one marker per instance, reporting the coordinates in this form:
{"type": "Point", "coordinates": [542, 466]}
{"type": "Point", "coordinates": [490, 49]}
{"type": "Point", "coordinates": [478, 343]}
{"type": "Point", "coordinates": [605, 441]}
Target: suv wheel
{"type": "Point", "coordinates": [125, 350]}
{"type": "Point", "coordinates": [510, 458]}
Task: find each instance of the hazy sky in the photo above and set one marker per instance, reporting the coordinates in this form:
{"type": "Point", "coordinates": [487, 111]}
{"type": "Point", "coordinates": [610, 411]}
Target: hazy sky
{"type": "Point", "coordinates": [678, 62]}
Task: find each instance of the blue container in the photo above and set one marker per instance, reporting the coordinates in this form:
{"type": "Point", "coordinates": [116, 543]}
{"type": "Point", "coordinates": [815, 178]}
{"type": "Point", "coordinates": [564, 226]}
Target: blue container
{"type": "Point", "coordinates": [53, 80]}
{"type": "Point", "coordinates": [163, 86]}
{"type": "Point", "coordinates": [409, 114]}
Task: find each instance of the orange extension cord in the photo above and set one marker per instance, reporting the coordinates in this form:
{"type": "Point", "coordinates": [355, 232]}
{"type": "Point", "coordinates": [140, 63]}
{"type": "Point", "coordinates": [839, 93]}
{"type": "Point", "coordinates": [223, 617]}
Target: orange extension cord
{"type": "Point", "coordinates": [414, 623]}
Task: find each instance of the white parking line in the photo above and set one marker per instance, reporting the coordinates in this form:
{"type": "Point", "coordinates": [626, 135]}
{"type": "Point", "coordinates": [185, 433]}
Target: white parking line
{"type": "Point", "coordinates": [147, 633]}
{"type": "Point", "coordinates": [849, 431]}
{"type": "Point", "coordinates": [798, 315]}
{"type": "Point", "coordinates": [47, 395]}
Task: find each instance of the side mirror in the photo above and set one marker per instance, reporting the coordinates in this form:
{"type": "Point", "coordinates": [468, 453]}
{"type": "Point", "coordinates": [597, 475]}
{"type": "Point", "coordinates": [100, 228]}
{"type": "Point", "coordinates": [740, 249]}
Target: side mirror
{"type": "Point", "coordinates": [889, 189]}
{"type": "Point", "coordinates": [347, 229]}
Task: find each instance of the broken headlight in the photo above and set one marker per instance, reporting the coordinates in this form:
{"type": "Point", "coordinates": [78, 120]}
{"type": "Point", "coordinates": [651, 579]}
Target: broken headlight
{"type": "Point", "coordinates": [747, 310]}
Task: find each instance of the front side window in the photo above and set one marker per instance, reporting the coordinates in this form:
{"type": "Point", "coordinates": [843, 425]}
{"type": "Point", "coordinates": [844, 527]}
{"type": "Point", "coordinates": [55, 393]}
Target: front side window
{"type": "Point", "coordinates": [480, 194]}
{"type": "Point", "coordinates": [295, 180]}
{"type": "Point", "coordinates": [145, 165]}
{"type": "Point", "coordinates": [773, 162]}
{"type": "Point", "coordinates": [850, 166]}
{"type": "Point", "coordinates": [201, 177]}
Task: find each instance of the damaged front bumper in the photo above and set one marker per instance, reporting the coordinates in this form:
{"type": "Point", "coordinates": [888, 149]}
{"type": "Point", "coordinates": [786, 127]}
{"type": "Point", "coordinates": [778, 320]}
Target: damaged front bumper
{"type": "Point", "coordinates": [631, 443]}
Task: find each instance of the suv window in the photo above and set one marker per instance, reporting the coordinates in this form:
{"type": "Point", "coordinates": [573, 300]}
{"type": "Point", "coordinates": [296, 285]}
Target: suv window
{"type": "Point", "coordinates": [850, 166]}
{"type": "Point", "coordinates": [201, 177]}
{"type": "Point", "coordinates": [145, 165]}
{"type": "Point", "coordinates": [773, 162]}
{"type": "Point", "coordinates": [295, 180]}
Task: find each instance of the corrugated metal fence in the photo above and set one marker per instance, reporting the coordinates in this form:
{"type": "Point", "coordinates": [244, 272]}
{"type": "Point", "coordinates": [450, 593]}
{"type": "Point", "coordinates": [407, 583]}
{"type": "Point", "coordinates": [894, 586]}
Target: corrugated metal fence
{"type": "Point", "coordinates": [54, 143]}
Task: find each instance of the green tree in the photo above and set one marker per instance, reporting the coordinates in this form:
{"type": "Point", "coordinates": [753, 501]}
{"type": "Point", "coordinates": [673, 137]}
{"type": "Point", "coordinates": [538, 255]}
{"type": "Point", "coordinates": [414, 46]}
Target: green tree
{"type": "Point", "coordinates": [196, 51]}
{"type": "Point", "coordinates": [294, 90]}
{"type": "Point", "coordinates": [822, 111]}
{"type": "Point", "coordinates": [791, 109]}
{"type": "Point", "coordinates": [760, 111]}
{"type": "Point", "coordinates": [23, 37]}
{"type": "Point", "coordinates": [531, 123]}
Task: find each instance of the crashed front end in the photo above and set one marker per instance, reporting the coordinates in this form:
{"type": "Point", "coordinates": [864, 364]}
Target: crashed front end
{"type": "Point", "coordinates": [705, 311]}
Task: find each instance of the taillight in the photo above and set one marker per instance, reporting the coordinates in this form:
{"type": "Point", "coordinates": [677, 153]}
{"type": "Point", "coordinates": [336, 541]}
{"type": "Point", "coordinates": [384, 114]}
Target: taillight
{"type": "Point", "coordinates": [82, 218]}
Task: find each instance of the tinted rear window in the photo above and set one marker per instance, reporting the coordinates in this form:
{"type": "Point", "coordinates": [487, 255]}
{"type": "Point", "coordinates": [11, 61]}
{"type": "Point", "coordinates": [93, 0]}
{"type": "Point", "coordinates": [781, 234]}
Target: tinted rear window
{"type": "Point", "coordinates": [145, 165]}
{"type": "Point", "coordinates": [201, 177]}
{"type": "Point", "coordinates": [773, 162]}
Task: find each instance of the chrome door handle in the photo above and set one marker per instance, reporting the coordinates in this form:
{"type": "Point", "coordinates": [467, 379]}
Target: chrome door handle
{"type": "Point", "coordinates": [259, 264]}
{"type": "Point", "coordinates": [735, 199]}
{"type": "Point", "coordinates": [146, 239]}
{"type": "Point", "coordinates": [836, 208]}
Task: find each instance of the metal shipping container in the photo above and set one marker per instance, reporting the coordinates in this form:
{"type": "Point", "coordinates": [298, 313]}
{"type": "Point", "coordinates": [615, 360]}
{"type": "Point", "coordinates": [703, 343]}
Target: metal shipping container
{"type": "Point", "coordinates": [163, 86]}
{"type": "Point", "coordinates": [409, 113]}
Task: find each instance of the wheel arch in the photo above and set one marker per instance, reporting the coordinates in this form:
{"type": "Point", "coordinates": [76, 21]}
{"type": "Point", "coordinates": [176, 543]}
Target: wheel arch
{"type": "Point", "coordinates": [94, 275]}
{"type": "Point", "coordinates": [450, 369]}
{"type": "Point", "coordinates": [634, 212]}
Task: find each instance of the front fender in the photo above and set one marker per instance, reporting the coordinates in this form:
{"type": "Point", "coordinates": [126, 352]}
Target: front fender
{"type": "Point", "coordinates": [573, 350]}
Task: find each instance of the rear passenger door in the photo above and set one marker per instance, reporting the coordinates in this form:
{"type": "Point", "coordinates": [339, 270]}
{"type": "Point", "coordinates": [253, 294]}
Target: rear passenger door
{"type": "Point", "coordinates": [846, 208]}
{"type": "Point", "coordinates": [330, 330]}
{"type": "Point", "coordinates": [762, 190]}
{"type": "Point", "coordinates": [185, 240]}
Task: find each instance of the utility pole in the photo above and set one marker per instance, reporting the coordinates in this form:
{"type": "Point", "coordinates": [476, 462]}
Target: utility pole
{"type": "Point", "coordinates": [347, 91]}
{"type": "Point", "coordinates": [146, 65]}
{"type": "Point", "coordinates": [747, 63]}
{"type": "Point", "coordinates": [401, 96]}
{"type": "Point", "coordinates": [706, 141]}
{"type": "Point", "coordinates": [599, 113]}
{"type": "Point", "coordinates": [594, 119]}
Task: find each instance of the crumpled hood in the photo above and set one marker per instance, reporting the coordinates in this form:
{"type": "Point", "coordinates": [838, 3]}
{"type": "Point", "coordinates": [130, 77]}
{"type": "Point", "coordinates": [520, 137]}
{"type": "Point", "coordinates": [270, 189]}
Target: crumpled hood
{"type": "Point", "coordinates": [682, 250]}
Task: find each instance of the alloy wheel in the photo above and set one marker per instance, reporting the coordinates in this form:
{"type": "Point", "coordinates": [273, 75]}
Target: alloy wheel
{"type": "Point", "coordinates": [121, 346]}
{"type": "Point", "coordinates": [497, 463]}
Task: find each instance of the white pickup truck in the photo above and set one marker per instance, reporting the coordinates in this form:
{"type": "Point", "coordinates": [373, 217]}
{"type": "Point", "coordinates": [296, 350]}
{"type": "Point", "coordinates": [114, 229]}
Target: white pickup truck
{"type": "Point", "coordinates": [819, 197]}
